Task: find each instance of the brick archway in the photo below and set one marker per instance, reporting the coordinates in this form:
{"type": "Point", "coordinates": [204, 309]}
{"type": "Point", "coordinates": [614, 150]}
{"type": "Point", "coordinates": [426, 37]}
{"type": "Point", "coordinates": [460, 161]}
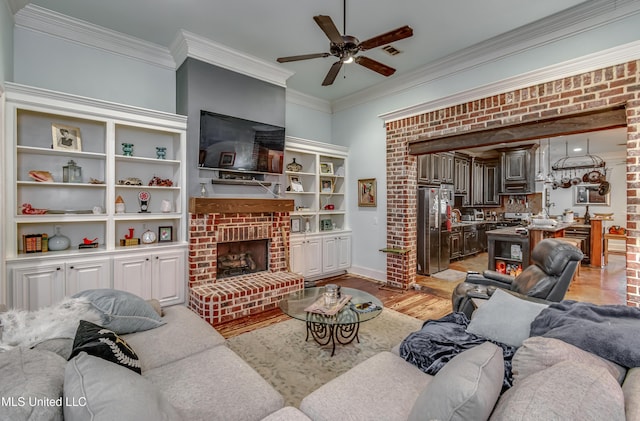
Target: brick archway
{"type": "Point", "coordinates": [603, 88]}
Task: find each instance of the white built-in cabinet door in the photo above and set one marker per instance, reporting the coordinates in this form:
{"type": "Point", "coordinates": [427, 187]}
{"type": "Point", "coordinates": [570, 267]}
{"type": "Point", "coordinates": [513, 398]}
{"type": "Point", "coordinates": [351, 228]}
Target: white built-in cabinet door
{"type": "Point", "coordinates": [336, 253]}
{"type": "Point", "coordinates": [159, 275]}
{"type": "Point", "coordinates": [306, 256]}
{"type": "Point", "coordinates": [37, 287]}
{"type": "Point", "coordinates": [132, 273]}
{"type": "Point", "coordinates": [87, 274]}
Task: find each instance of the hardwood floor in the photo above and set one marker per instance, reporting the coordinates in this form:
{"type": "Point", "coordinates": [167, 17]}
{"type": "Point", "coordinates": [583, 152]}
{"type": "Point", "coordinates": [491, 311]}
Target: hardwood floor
{"type": "Point", "coordinates": [433, 299]}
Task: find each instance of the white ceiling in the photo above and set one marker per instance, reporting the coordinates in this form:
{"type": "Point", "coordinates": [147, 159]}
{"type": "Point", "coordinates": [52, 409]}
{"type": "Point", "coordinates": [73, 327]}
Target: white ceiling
{"type": "Point", "coordinates": [276, 28]}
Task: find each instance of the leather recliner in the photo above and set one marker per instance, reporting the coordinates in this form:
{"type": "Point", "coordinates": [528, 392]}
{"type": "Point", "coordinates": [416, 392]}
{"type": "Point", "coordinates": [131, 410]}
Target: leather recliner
{"type": "Point", "coordinates": [547, 279]}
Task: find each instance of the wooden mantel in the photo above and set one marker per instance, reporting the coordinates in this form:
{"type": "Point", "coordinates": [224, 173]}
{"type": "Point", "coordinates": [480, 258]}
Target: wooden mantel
{"type": "Point", "coordinates": [202, 205]}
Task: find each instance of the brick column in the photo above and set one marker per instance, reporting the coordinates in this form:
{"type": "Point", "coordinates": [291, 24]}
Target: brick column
{"type": "Point", "coordinates": [633, 203]}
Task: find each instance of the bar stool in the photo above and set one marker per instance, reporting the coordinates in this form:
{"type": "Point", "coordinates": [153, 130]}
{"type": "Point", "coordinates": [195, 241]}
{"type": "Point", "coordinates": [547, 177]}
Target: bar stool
{"type": "Point", "coordinates": [608, 237]}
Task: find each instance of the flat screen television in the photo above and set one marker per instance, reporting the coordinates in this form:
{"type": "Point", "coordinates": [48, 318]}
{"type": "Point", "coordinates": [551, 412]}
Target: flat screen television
{"type": "Point", "coordinates": [235, 144]}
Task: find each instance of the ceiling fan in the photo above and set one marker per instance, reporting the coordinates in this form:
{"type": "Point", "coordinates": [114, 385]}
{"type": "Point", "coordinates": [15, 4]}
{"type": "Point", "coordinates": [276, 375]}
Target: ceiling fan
{"type": "Point", "coordinates": [346, 48]}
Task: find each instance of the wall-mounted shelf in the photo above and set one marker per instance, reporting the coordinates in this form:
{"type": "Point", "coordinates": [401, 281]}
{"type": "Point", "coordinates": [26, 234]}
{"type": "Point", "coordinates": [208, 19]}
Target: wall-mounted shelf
{"type": "Point", "coordinates": [241, 182]}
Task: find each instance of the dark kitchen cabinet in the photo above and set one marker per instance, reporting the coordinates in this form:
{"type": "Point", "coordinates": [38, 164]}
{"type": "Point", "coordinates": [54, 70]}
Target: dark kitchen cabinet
{"type": "Point", "coordinates": [455, 243]}
{"type": "Point", "coordinates": [435, 169]}
{"type": "Point", "coordinates": [491, 183]}
{"type": "Point", "coordinates": [477, 182]}
{"type": "Point", "coordinates": [461, 178]}
{"type": "Point", "coordinates": [518, 169]}
{"type": "Point", "coordinates": [470, 243]}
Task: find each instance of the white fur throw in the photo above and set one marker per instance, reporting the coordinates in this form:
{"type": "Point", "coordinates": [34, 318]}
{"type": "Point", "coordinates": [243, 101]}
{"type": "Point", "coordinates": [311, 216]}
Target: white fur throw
{"type": "Point", "coordinates": [29, 328]}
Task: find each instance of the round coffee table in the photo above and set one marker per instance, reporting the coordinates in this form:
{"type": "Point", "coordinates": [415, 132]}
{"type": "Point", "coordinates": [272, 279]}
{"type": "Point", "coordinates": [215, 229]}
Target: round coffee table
{"type": "Point", "coordinates": [341, 327]}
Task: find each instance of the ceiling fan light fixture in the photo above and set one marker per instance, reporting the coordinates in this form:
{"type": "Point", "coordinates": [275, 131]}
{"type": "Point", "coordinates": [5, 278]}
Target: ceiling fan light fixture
{"type": "Point", "coordinates": [348, 59]}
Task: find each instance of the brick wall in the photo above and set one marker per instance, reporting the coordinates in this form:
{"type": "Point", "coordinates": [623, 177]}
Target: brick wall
{"type": "Point", "coordinates": [615, 85]}
{"type": "Point", "coordinates": [220, 300]}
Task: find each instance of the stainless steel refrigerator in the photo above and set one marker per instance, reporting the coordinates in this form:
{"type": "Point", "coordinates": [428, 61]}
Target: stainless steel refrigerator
{"type": "Point", "coordinates": [434, 228]}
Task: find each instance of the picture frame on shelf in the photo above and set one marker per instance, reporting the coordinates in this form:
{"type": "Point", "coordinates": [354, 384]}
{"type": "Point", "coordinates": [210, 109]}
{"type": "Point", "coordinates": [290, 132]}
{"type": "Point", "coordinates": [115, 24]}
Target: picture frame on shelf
{"type": "Point", "coordinates": [227, 159]}
{"type": "Point", "coordinates": [367, 192]}
{"type": "Point", "coordinates": [295, 184]}
{"type": "Point", "coordinates": [590, 195]}
{"type": "Point", "coordinates": [296, 224]}
{"type": "Point", "coordinates": [165, 234]}
{"type": "Point", "coordinates": [326, 185]}
{"type": "Point", "coordinates": [66, 138]}
{"type": "Point", "coordinates": [326, 168]}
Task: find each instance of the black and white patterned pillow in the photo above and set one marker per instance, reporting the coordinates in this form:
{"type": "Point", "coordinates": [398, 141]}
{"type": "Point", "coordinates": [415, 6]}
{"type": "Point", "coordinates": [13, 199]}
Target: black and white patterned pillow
{"type": "Point", "coordinates": [103, 343]}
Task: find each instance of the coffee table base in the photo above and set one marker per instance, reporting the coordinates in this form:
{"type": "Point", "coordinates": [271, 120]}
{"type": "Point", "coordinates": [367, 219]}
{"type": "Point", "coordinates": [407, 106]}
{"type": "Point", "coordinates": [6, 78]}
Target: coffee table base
{"type": "Point", "coordinates": [324, 333]}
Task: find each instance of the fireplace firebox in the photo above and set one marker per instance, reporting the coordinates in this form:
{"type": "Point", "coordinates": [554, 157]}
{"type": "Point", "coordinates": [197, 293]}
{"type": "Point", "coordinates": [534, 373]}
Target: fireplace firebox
{"type": "Point", "coordinates": [242, 257]}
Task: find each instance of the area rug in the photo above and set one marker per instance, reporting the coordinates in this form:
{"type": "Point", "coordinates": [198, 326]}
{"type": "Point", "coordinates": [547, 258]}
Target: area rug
{"type": "Point", "coordinates": [450, 275]}
{"type": "Point", "coordinates": [295, 368]}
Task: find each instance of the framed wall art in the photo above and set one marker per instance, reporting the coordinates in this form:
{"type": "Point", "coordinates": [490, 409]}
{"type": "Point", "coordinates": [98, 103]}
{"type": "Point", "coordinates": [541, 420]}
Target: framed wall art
{"type": "Point", "coordinates": [326, 168]}
{"type": "Point", "coordinates": [367, 192]}
{"type": "Point", "coordinates": [66, 137]}
{"type": "Point", "coordinates": [165, 234]}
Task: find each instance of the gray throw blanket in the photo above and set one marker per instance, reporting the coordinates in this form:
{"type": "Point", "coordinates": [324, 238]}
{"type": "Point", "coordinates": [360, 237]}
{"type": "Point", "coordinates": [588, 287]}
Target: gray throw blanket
{"type": "Point", "coordinates": [609, 331]}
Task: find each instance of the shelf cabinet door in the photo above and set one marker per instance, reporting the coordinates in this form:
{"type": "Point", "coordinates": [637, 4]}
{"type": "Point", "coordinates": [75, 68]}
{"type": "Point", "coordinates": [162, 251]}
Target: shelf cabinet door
{"type": "Point", "coordinates": [306, 257]}
{"type": "Point", "coordinates": [84, 275]}
{"type": "Point", "coordinates": [37, 287]}
{"type": "Point", "coordinates": [133, 274]}
{"type": "Point", "coordinates": [168, 277]}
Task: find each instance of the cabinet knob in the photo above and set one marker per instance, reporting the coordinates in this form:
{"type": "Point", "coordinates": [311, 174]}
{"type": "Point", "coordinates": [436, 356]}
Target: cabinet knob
{"type": "Point", "coordinates": [147, 259]}
{"type": "Point", "coordinates": [58, 268]}
{"type": "Point", "coordinates": [157, 257]}
{"type": "Point", "coordinates": [71, 267]}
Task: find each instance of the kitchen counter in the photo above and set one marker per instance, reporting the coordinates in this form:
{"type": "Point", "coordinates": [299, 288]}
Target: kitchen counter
{"type": "Point", "coordinates": [561, 226]}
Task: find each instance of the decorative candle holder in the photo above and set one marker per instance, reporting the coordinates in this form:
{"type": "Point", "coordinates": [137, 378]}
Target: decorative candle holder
{"type": "Point", "coordinates": [127, 149]}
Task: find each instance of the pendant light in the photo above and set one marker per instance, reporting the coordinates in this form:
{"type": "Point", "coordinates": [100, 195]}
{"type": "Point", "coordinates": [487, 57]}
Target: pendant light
{"type": "Point", "coordinates": [540, 175]}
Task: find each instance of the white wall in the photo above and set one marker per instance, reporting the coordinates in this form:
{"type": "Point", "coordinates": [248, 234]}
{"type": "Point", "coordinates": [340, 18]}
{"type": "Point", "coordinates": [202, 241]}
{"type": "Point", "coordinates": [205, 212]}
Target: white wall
{"type": "Point", "coordinates": [56, 64]}
{"type": "Point", "coordinates": [6, 43]}
{"type": "Point", "coordinates": [361, 129]}
{"type": "Point", "coordinates": [308, 123]}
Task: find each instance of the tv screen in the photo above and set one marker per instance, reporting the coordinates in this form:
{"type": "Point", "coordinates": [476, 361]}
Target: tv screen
{"type": "Point", "coordinates": [235, 144]}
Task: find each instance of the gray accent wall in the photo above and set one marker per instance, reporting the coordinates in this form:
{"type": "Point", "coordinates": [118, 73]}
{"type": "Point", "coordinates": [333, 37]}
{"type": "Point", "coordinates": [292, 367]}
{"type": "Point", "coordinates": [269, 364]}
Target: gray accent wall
{"type": "Point", "coordinates": [203, 86]}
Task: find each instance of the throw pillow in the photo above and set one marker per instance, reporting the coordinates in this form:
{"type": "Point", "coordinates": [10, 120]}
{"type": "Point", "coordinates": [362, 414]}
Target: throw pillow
{"type": "Point", "coordinates": [122, 311]}
{"type": "Point", "coordinates": [538, 353]}
{"type": "Point", "coordinates": [100, 342]}
{"type": "Point", "coordinates": [103, 391]}
{"type": "Point", "coordinates": [565, 391]}
{"type": "Point", "coordinates": [31, 385]}
{"type": "Point", "coordinates": [504, 318]}
{"type": "Point", "coordinates": [467, 388]}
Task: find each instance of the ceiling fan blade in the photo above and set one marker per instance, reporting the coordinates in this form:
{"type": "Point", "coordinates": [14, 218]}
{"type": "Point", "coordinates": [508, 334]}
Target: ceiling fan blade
{"type": "Point", "coordinates": [386, 38]}
{"type": "Point", "coordinates": [333, 72]}
{"type": "Point", "coordinates": [329, 28]}
{"type": "Point", "coordinates": [301, 57]}
{"type": "Point", "coordinates": [374, 65]}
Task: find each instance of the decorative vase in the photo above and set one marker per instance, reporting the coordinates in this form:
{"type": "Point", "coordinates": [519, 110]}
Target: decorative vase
{"type": "Point", "coordinates": [293, 166]}
{"type": "Point", "coordinates": [58, 241]}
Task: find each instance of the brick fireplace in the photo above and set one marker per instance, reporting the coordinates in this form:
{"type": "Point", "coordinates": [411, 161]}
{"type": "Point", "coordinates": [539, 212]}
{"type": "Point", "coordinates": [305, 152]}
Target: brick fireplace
{"type": "Point", "coordinates": [614, 86]}
{"type": "Point", "coordinates": [231, 225]}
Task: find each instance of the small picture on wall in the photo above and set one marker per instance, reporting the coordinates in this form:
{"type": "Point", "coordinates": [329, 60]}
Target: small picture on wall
{"type": "Point", "coordinates": [367, 192]}
{"type": "Point", "coordinates": [66, 137]}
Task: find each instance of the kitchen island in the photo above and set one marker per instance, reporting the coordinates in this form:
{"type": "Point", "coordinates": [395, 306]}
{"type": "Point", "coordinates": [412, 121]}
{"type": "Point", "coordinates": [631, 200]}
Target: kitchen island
{"type": "Point", "coordinates": [508, 250]}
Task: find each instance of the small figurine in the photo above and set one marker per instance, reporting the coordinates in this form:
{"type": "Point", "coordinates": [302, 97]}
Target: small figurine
{"type": "Point", "coordinates": [130, 235]}
{"type": "Point", "coordinates": [127, 149]}
{"type": "Point", "coordinates": [160, 152]}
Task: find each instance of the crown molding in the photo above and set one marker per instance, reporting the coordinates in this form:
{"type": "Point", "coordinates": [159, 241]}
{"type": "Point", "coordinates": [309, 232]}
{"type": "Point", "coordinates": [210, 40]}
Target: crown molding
{"type": "Point", "coordinates": [191, 45]}
{"type": "Point", "coordinates": [15, 5]}
{"type": "Point", "coordinates": [576, 20]}
{"type": "Point", "coordinates": [308, 101]}
{"type": "Point", "coordinates": [599, 60]}
{"type": "Point", "coordinates": [39, 19]}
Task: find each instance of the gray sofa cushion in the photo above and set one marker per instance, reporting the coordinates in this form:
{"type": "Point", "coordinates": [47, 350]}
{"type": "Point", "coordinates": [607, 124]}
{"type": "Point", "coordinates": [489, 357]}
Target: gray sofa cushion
{"type": "Point", "coordinates": [538, 353]}
{"type": "Point", "coordinates": [466, 388]}
{"type": "Point", "coordinates": [504, 318]}
{"type": "Point", "coordinates": [122, 312]}
{"type": "Point", "coordinates": [383, 387]}
{"type": "Point", "coordinates": [102, 390]}
{"type": "Point", "coordinates": [288, 413]}
{"type": "Point", "coordinates": [631, 391]}
{"type": "Point", "coordinates": [215, 384]}
{"type": "Point", "coordinates": [27, 374]}
{"type": "Point", "coordinates": [183, 334]}
{"type": "Point", "coordinates": [565, 391]}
